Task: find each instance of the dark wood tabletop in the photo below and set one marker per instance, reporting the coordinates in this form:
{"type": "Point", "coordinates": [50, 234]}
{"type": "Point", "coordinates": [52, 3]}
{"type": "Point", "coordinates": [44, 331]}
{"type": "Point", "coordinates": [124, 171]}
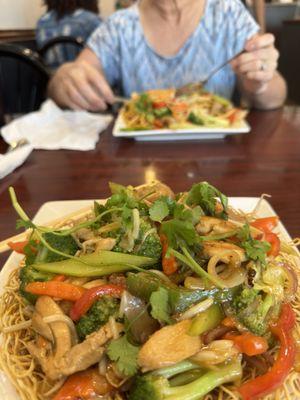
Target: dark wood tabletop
{"type": "Point", "coordinates": [267, 160]}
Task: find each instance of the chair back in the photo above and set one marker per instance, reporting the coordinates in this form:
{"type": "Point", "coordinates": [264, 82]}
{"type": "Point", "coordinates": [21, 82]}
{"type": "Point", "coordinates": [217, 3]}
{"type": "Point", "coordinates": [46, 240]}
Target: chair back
{"type": "Point", "coordinates": [61, 49]}
{"type": "Point", "coordinates": [23, 80]}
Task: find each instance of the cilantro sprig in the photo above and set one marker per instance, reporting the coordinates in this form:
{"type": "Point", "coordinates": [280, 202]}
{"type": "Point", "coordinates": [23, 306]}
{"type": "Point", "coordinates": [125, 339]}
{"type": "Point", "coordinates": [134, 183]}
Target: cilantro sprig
{"type": "Point", "coordinates": [25, 222]}
{"type": "Point", "coordinates": [205, 195]}
{"type": "Point", "coordinates": [178, 225]}
{"type": "Point", "coordinates": [124, 354]}
{"type": "Point", "coordinates": [160, 308]}
{"type": "Point", "coordinates": [256, 250]}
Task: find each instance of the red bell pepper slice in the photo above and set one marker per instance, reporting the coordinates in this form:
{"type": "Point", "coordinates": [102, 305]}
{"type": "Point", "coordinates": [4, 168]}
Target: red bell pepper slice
{"type": "Point", "coordinates": [274, 241]}
{"type": "Point", "coordinates": [84, 385]}
{"type": "Point", "coordinates": [233, 116]}
{"type": "Point", "coordinates": [86, 301]}
{"type": "Point", "coordinates": [18, 246]}
{"type": "Point", "coordinates": [265, 224]}
{"type": "Point", "coordinates": [267, 383]}
{"type": "Point", "coordinates": [159, 104]}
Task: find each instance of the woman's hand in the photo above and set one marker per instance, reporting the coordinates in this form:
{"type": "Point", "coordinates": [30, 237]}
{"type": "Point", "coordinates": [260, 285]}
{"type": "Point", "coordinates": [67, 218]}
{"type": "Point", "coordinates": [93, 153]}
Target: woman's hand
{"type": "Point", "coordinates": [80, 85]}
{"type": "Point", "coordinates": [257, 66]}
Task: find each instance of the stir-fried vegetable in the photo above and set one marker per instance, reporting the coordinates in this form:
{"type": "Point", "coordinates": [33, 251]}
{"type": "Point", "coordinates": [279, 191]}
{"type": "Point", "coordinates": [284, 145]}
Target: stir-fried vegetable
{"type": "Point", "coordinates": [169, 263]}
{"type": "Point", "coordinates": [84, 303]}
{"type": "Point", "coordinates": [265, 384]}
{"type": "Point", "coordinates": [248, 343]}
{"type": "Point", "coordinates": [84, 385]}
{"type": "Point", "coordinates": [27, 275]}
{"type": "Point", "coordinates": [179, 299]}
{"type": "Point", "coordinates": [155, 387]}
{"type": "Point", "coordinates": [252, 309]}
{"type": "Point", "coordinates": [206, 320]}
{"type": "Point", "coordinates": [61, 290]}
{"type": "Point", "coordinates": [64, 244]}
{"type": "Point", "coordinates": [97, 316]}
{"type": "Point", "coordinates": [18, 246]}
{"type": "Point", "coordinates": [96, 264]}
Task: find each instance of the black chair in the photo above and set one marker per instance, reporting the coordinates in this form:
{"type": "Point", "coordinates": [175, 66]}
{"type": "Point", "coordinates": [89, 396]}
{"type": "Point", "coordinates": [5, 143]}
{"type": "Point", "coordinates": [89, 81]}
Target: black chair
{"type": "Point", "coordinates": [60, 50]}
{"type": "Point", "coordinates": [23, 81]}
{"type": "Point", "coordinates": [289, 62]}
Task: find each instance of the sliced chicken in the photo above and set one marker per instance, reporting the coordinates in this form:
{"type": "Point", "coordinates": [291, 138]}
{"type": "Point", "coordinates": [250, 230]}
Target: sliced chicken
{"type": "Point", "coordinates": [84, 234]}
{"type": "Point", "coordinates": [152, 191]}
{"type": "Point", "coordinates": [98, 244]}
{"type": "Point", "coordinates": [105, 244]}
{"type": "Point", "coordinates": [168, 346]}
{"type": "Point", "coordinates": [212, 225]}
{"type": "Point", "coordinates": [85, 354]}
{"type": "Point", "coordinates": [223, 249]}
{"type": "Point", "coordinates": [78, 358]}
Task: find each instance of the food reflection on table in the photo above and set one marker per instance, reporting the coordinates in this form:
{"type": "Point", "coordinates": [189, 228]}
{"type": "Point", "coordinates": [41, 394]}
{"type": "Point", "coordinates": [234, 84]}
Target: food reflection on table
{"type": "Point", "coordinates": [152, 295]}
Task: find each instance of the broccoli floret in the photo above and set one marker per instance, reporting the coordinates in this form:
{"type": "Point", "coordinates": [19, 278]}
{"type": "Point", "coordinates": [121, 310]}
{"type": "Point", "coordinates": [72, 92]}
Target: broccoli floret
{"type": "Point", "coordinates": [253, 309]}
{"type": "Point", "coordinates": [148, 244]}
{"type": "Point", "coordinates": [155, 387]}
{"type": "Point", "coordinates": [27, 275]}
{"type": "Point", "coordinates": [64, 244]}
{"type": "Point", "coordinates": [97, 316]}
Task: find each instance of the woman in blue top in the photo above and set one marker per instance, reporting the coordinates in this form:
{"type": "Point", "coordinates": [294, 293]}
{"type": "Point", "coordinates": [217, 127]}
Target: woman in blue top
{"type": "Point", "coordinates": [75, 18]}
{"type": "Point", "coordinates": [168, 43]}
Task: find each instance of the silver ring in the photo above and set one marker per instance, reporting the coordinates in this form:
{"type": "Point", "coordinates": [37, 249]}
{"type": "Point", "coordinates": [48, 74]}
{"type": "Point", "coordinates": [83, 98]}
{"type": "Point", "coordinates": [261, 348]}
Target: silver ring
{"type": "Point", "coordinates": [263, 66]}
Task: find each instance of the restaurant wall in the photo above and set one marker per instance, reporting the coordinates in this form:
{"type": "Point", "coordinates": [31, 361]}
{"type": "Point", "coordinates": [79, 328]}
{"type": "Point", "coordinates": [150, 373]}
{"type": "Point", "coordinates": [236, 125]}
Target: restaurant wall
{"type": "Point", "coordinates": [19, 14]}
{"type": "Point", "coordinates": [23, 14]}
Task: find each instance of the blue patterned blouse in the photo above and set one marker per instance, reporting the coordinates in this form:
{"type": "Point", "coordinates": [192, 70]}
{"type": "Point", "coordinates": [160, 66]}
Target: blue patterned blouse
{"type": "Point", "coordinates": [131, 64]}
{"type": "Point", "coordinates": [79, 24]}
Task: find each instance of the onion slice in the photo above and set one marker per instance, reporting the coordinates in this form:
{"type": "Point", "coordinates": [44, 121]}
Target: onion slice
{"type": "Point", "coordinates": [67, 320]}
{"type": "Point", "coordinates": [292, 279]}
{"type": "Point", "coordinates": [196, 309]}
{"type": "Point", "coordinates": [233, 274]}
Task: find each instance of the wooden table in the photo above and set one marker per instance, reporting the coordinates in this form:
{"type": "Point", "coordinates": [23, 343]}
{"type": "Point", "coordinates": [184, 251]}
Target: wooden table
{"type": "Point", "coordinates": [267, 160]}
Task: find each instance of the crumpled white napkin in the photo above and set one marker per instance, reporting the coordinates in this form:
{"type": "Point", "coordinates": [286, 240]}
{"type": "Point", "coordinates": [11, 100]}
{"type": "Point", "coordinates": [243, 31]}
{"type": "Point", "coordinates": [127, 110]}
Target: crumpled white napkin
{"type": "Point", "coordinates": [10, 161]}
{"type": "Point", "coordinates": [51, 128]}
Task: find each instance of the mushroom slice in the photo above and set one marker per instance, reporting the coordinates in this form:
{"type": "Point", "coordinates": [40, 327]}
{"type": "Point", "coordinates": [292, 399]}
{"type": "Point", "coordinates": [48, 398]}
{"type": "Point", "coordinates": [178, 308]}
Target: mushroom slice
{"type": "Point", "coordinates": [47, 307]}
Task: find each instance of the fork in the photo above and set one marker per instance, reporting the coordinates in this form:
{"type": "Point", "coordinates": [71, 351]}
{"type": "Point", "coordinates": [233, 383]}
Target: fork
{"type": "Point", "coordinates": [192, 87]}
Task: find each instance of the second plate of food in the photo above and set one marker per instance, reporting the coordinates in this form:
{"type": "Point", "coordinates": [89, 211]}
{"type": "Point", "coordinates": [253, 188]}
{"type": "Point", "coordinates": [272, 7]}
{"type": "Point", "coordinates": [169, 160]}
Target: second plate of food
{"type": "Point", "coordinates": [162, 115]}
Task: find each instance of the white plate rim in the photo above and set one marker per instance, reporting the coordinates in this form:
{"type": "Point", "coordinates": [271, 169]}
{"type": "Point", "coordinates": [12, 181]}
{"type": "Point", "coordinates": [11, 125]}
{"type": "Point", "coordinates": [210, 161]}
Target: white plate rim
{"type": "Point", "coordinates": [200, 133]}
